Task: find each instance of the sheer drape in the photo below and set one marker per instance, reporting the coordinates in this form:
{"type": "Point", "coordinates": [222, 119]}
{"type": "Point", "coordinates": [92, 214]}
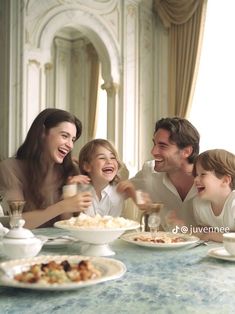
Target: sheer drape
{"type": "Point", "coordinates": [185, 20]}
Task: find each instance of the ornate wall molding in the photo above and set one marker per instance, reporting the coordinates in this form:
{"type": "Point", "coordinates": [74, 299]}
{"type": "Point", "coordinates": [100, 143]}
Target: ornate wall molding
{"type": "Point", "coordinates": [131, 48]}
{"type": "Point", "coordinates": [100, 7]}
{"type": "Point", "coordinates": [92, 26]}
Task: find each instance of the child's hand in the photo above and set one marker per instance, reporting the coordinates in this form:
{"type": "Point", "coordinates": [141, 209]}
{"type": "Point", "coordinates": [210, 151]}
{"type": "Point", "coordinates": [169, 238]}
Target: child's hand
{"type": "Point", "coordinates": [143, 200]}
{"type": "Point", "coordinates": [127, 188]}
{"type": "Point", "coordinates": [80, 179]}
{"type": "Point", "coordinates": [210, 236]}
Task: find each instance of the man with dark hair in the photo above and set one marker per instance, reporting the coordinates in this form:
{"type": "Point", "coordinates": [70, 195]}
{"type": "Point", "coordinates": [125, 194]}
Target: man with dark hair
{"type": "Point", "coordinates": [168, 178]}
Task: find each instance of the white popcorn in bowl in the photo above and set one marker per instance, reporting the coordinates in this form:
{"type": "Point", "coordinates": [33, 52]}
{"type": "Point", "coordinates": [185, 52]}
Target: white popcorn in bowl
{"type": "Point", "coordinates": [97, 231]}
{"type": "Point", "coordinates": [98, 221]}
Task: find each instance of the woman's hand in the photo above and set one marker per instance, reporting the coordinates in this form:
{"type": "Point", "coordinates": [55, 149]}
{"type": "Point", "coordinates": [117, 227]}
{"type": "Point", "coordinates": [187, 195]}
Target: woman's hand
{"type": "Point", "coordinates": [77, 203]}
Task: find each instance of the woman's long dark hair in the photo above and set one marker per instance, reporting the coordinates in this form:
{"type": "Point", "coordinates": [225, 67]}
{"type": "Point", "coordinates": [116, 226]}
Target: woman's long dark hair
{"type": "Point", "coordinates": [31, 151]}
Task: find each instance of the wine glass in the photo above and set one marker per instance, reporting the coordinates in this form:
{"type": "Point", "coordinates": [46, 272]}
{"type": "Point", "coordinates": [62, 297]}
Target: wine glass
{"type": "Point", "coordinates": [15, 212]}
{"type": "Point", "coordinates": [153, 210]}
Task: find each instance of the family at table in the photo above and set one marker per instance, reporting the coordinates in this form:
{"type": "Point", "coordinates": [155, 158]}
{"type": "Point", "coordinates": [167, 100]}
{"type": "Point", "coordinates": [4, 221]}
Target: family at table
{"type": "Point", "coordinates": [196, 189]}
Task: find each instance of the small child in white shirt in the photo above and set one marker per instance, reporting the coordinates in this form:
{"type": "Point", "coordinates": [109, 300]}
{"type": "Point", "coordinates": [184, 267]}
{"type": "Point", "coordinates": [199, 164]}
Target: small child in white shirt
{"type": "Point", "coordinates": [214, 206]}
{"type": "Point", "coordinates": [99, 161]}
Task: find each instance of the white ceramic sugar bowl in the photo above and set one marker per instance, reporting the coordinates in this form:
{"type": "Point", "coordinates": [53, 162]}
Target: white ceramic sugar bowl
{"type": "Point", "coordinates": [21, 243]}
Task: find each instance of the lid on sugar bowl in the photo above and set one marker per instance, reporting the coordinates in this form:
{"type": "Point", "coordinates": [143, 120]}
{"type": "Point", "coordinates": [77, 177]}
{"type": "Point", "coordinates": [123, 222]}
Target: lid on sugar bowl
{"type": "Point", "coordinates": [19, 232]}
{"type": "Point", "coordinates": [21, 243]}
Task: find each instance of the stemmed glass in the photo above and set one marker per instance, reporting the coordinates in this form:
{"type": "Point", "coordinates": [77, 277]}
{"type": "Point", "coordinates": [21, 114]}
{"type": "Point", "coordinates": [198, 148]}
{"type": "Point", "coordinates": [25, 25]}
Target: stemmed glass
{"type": "Point", "coordinates": [154, 222]}
{"type": "Point", "coordinates": [150, 220]}
{"type": "Point", "coordinates": [15, 212]}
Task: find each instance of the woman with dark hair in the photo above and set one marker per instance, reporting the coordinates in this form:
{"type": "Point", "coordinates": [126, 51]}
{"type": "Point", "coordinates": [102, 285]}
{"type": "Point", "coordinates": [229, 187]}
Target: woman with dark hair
{"type": "Point", "coordinates": [41, 167]}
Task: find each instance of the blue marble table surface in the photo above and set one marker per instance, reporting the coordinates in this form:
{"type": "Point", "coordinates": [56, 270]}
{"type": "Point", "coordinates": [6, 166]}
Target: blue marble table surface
{"type": "Point", "coordinates": [156, 281]}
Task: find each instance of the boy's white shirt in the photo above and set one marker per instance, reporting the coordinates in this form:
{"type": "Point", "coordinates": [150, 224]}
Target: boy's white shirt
{"type": "Point", "coordinates": [205, 217]}
{"type": "Point", "coordinates": [111, 203]}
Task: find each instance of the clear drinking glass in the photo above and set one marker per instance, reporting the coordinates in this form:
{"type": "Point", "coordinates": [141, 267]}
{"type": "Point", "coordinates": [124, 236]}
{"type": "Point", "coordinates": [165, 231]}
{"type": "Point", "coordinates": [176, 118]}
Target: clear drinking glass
{"type": "Point", "coordinates": [154, 222]}
{"type": "Point", "coordinates": [85, 188]}
{"type": "Point", "coordinates": [70, 190]}
{"type": "Point", "coordinates": [150, 219]}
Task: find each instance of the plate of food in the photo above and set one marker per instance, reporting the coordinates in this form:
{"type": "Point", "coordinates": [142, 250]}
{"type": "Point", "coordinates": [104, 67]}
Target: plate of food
{"type": "Point", "coordinates": [97, 232]}
{"type": "Point", "coordinates": [64, 272]}
{"type": "Point", "coordinates": [161, 240]}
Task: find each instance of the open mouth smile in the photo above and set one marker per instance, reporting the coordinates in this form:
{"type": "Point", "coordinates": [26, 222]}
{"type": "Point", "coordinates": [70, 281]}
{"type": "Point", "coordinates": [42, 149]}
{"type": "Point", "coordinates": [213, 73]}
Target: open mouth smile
{"type": "Point", "coordinates": [108, 170]}
{"type": "Point", "coordinates": [63, 152]}
{"type": "Point", "coordinates": [200, 189]}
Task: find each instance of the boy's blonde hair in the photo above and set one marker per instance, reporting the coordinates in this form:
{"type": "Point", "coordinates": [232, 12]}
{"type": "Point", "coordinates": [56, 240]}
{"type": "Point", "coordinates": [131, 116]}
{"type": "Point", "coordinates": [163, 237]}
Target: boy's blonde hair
{"type": "Point", "coordinates": [88, 150]}
{"type": "Point", "coordinates": [220, 161]}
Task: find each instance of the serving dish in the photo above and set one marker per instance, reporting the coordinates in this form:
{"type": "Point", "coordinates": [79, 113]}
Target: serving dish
{"type": "Point", "coordinates": [187, 240]}
{"type": "Point", "coordinates": [97, 237]}
{"type": "Point", "coordinates": [110, 269]}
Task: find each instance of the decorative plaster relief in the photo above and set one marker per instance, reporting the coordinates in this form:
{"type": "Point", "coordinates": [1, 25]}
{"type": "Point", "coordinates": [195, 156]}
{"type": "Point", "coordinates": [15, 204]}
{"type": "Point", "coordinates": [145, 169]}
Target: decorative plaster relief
{"type": "Point", "coordinates": [131, 10]}
{"type": "Point", "coordinates": [111, 88]}
{"type": "Point", "coordinates": [44, 19]}
{"type": "Point", "coordinates": [36, 62]}
{"type": "Point", "coordinates": [48, 66]}
{"type": "Point", "coordinates": [114, 21]}
{"type": "Point", "coordinates": [35, 11]}
{"type": "Point", "coordinates": [104, 6]}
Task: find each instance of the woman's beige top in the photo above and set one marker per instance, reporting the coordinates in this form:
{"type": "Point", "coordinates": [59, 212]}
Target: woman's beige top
{"type": "Point", "coordinates": [15, 185]}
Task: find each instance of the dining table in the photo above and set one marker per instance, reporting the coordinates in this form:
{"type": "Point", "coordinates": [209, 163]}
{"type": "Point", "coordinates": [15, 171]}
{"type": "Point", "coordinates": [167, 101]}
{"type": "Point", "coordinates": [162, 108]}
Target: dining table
{"type": "Point", "coordinates": [181, 280]}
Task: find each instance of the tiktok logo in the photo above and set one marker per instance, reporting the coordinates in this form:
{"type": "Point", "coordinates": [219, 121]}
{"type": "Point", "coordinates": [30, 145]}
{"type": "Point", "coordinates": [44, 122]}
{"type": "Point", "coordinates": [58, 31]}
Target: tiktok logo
{"type": "Point", "coordinates": [176, 230]}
